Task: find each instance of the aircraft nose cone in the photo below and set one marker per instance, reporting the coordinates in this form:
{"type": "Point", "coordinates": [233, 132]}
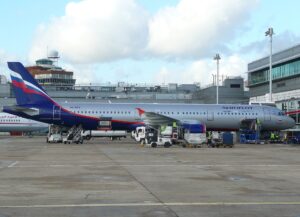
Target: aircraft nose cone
{"type": "Point", "coordinates": [290, 122]}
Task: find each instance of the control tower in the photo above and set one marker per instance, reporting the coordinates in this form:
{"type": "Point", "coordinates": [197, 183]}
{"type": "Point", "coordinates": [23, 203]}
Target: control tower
{"type": "Point", "coordinates": [48, 73]}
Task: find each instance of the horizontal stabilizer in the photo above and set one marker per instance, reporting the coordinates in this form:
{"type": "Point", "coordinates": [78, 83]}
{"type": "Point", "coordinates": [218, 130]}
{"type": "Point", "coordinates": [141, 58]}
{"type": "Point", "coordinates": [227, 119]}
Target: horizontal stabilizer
{"type": "Point", "coordinates": [28, 111]}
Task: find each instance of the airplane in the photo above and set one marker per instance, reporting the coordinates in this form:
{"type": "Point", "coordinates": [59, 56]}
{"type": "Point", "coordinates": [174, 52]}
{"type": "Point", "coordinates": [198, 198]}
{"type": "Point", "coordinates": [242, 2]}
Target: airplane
{"type": "Point", "coordinates": [34, 103]}
{"type": "Point", "coordinates": [13, 123]}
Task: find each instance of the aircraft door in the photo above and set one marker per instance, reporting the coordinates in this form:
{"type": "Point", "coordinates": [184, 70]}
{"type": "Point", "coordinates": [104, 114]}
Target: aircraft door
{"type": "Point", "coordinates": [267, 115]}
{"type": "Point", "coordinates": [210, 115]}
{"type": "Point", "coordinates": [56, 112]}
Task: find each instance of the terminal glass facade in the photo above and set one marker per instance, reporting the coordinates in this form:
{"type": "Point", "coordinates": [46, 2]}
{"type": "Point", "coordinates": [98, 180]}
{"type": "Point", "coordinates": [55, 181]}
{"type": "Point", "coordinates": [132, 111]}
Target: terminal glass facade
{"type": "Point", "coordinates": [278, 72]}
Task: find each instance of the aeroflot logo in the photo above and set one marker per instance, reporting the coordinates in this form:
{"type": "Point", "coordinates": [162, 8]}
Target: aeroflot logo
{"type": "Point", "coordinates": [237, 107]}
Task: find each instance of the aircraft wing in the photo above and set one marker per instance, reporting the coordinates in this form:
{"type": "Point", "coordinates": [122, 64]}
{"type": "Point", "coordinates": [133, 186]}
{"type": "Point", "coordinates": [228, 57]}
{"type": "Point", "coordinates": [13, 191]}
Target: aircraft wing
{"type": "Point", "coordinates": [155, 120]}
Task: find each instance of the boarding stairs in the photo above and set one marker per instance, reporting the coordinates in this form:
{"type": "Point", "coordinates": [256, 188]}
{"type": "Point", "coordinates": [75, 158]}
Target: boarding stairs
{"type": "Point", "coordinates": [74, 135]}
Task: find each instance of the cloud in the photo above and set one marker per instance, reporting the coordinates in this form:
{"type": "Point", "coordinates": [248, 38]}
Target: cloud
{"type": "Point", "coordinates": [94, 31]}
{"type": "Point", "coordinates": [195, 28]}
{"type": "Point", "coordinates": [261, 48]}
{"type": "Point", "coordinates": [83, 73]}
{"type": "Point", "coordinates": [4, 58]}
{"type": "Point", "coordinates": [165, 76]}
{"type": "Point", "coordinates": [201, 71]}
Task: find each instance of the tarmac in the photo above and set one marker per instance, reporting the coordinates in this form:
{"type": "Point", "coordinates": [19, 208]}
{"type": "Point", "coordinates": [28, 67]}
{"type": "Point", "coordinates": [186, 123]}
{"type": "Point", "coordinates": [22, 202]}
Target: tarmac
{"type": "Point", "coordinates": [120, 178]}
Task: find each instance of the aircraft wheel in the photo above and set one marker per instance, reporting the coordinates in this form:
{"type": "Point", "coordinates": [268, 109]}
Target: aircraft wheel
{"type": "Point", "coordinates": [167, 144]}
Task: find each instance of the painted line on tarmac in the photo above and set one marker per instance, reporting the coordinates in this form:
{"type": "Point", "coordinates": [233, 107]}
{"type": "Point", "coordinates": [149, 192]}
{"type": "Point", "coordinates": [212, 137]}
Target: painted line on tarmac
{"type": "Point", "coordinates": [153, 204]}
{"type": "Point", "coordinates": [13, 164]}
{"type": "Point", "coordinates": [152, 165]}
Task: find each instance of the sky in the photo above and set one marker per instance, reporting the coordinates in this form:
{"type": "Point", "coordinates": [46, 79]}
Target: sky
{"type": "Point", "coordinates": [146, 41]}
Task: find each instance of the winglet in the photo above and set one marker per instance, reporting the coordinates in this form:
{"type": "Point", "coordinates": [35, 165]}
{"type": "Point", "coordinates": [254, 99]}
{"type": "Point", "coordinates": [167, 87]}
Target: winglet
{"type": "Point", "coordinates": [140, 111]}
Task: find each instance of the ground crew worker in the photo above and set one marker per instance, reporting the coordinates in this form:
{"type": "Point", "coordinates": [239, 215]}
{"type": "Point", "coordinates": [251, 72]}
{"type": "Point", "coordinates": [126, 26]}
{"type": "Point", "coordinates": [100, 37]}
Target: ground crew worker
{"type": "Point", "coordinates": [174, 124]}
{"type": "Point", "coordinates": [272, 137]}
{"type": "Point", "coordinates": [209, 137]}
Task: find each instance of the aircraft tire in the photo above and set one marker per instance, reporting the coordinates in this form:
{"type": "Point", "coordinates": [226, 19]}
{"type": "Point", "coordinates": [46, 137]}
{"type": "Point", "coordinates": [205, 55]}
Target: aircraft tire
{"type": "Point", "coordinates": [167, 145]}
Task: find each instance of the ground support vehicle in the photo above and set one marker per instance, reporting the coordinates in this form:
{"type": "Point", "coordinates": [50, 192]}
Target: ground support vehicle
{"type": "Point", "coordinates": [54, 134]}
{"type": "Point", "coordinates": [112, 134]}
{"type": "Point", "coordinates": [152, 137]}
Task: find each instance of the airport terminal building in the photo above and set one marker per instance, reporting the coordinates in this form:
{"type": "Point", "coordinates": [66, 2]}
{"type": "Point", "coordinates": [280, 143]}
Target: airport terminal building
{"type": "Point", "coordinates": [285, 79]}
{"type": "Point", "coordinates": [60, 85]}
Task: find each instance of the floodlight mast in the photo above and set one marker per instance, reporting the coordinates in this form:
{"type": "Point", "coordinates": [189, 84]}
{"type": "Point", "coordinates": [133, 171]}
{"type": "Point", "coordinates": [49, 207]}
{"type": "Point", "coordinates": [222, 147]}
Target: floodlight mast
{"type": "Point", "coordinates": [217, 57]}
{"type": "Point", "coordinates": [270, 33]}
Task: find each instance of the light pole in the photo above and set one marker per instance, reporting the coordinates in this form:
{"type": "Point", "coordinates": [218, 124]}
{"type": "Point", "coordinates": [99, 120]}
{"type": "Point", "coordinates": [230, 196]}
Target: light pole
{"type": "Point", "coordinates": [217, 57]}
{"type": "Point", "coordinates": [270, 33]}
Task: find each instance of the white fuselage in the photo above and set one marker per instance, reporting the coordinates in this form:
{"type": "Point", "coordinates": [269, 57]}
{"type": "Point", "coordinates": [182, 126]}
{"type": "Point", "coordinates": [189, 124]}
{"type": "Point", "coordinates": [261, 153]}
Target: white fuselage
{"type": "Point", "coordinates": [13, 123]}
{"type": "Point", "coordinates": [216, 117]}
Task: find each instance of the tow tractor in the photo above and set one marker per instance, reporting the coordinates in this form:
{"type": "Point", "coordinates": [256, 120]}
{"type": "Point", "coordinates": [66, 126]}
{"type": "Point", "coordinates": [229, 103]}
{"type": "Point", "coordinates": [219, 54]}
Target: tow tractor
{"type": "Point", "coordinates": [154, 137]}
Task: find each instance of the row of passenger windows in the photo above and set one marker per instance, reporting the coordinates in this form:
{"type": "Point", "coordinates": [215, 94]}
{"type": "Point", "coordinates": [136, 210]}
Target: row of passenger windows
{"type": "Point", "coordinates": [204, 113]}
{"type": "Point", "coordinates": [236, 113]}
{"type": "Point", "coordinates": [10, 120]}
{"type": "Point", "coordinates": [164, 113]}
{"type": "Point", "coordinates": [103, 112]}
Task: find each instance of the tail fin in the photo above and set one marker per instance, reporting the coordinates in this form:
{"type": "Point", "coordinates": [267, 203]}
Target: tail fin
{"type": "Point", "coordinates": [26, 88]}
